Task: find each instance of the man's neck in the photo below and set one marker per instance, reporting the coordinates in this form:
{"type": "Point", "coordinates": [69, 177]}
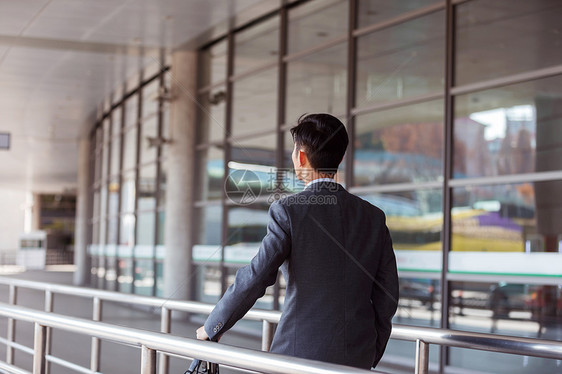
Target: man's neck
{"type": "Point", "coordinates": [314, 175]}
{"type": "Point", "coordinates": [319, 178]}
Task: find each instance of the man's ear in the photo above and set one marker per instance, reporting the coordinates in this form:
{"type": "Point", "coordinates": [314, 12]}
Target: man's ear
{"type": "Point", "coordinates": [302, 158]}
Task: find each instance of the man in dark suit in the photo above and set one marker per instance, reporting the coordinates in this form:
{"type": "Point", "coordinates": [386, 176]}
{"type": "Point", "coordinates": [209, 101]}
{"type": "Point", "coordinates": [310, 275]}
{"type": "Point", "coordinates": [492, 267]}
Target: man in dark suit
{"type": "Point", "coordinates": [336, 255]}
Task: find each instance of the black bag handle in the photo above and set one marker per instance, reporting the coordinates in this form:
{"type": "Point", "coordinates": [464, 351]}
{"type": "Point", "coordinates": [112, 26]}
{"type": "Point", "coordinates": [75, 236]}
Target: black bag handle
{"type": "Point", "coordinates": [202, 367]}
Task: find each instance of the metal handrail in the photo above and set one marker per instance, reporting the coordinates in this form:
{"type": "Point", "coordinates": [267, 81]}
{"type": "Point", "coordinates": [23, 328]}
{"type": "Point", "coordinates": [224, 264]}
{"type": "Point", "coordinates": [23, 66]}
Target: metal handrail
{"type": "Point", "coordinates": [150, 342]}
{"type": "Point", "coordinates": [423, 336]}
{"type": "Point", "coordinates": [124, 298]}
{"type": "Point", "coordinates": [267, 317]}
{"type": "Point", "coordinates": [480, 341]}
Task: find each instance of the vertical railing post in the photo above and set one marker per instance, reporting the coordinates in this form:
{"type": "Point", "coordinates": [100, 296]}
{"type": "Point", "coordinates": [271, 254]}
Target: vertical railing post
{"type": "Point", "coordinates": [95, 348]}
{"type": "Point", "coordinates": [39, 341]}
{"type": "Point", "coordinates": [48, 308]}
{"type": "Point", "coordinates": [11, 333]}
{"type": "Point", "coordinates": [267, 335]}
{"type": "Point", "coordinates": [422, 357]}
{"type": "Point", "coordinates": [165, 327]}
{"type": "Point", "coordinates": [148, 360]}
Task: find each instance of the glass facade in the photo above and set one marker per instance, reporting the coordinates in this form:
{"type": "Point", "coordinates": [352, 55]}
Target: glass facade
{"type": "Point", "coordinates": [455, 135]}
{"type": "Point", "coordinates": [128, 182]}
{"type": "Point", "coordinates": [453, 109]}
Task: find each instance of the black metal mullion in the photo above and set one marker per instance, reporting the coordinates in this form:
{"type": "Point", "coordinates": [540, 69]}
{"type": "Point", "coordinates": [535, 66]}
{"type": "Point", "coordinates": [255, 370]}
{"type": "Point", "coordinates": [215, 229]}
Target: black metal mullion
{"type": "Point", "coordinates": [448, 172]}
{"type": "Point", "coordinates": [137, 174]}
{"type": "Point", "coordinates": [158, 176]}
{"type": "Point", "coordinates": [351, 75]}
{"type": "Point", "coordinates": [281, 118]}
{"type": "Point", "coordinates": [90, 211]}
{"type": "Point", "coordinates": [227, 154]}
{"type": "Point", "coordinates": [109, 171]}
{"type": "Point", "coordinates": [119, 204]}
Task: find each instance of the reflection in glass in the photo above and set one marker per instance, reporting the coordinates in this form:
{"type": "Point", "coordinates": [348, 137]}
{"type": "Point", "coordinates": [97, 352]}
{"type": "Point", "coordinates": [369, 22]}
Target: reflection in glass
{"type": "Point", "coordinates": [208, 283]}
{"type": "Point", "coordinates": [128, 193]}
{"type": "Point", "coordinates": [103, 213]}
{"type": "Point", "coordinates": [149, 96]}
{"type": "Point", "coordinates": [210, 219]}
{"type": "Point", "coordinates": [316, 22]}
{"type": "Point", "coordinates": [95, 232]}
{"type": "Point", "coordinates": [414, 218]}
{"type": "Point", "coordinates": [503, 218]}
{"type": "Point", "coordinates": [252, 170]}
{"type": "Point", "coordinates": [115, 155]}
{"type": "Point", "coordinates": [401, 145]}
{"type": "Point", "coordinates": [509, 130]}
{"type": "Point", "coordinates": [147, 188]}
{"type": "Point", "coordinates": [144, 277]}
{"type": "Point", "coordinates": [256, 45]}
{"type": "Point", "coordinates": [419, 303]}
{"type": "Point", "coordinates": [125, 278]}
{"type": "Point", "coordinates": [145, 228]}
{"type": "Point", "coordinates": [490, 38]}
{"type": "Point", "coordinates": [527, 310]}
{"type": "Point", "coordinates": [104, 162]}
{"type": "Point", "coordinates": [106, 131]}
{"type": "Point", "coordinates": [255, 103]}
{"type": "Point", "coordinates": [213, 63]}
{"type": "Point", "coordinates": [131, 111]}
{"type": "Point", "coordinates": [161, 228]}
{"type": "Point", "coordinates": [96, 205]}
{"type": "Point", "coordinates": [317, 83]}
{"type": "Point", "coordinates": [127, 230]}
{"type": "Point", "coordinates": [212, 116]}
{"type": "Point", "coordinates": [97, 166]}
{"type": "Point", "coordinates": [149, 129]}
{"type": "Point", "coordinates": [113, 189]}
{"type": "Point", "coordinates": [159, 279]}
{"type": "Point", "coordinates": [110, 273]}
{"type": "Point", "coordinates": [97, 266]}
{"type": "Point", "coordinates": [247, 226]}
{"type": "Point", "coordinates": [130, 149]}
{"type": "Point", "coordinates": [162, 190]}
{"type": "Point", "coordinates": [116, 118]}
{"type": "Point", "coordinates": [112, 223]}
{"type": "Point", "coordinates": [375, 11]}
{"type": "Point", "coordinates": [402, 61]}
{"type": "Point", "coordinates": [113, 211]}
{"type": "Point", "coordinates": [211, 173]}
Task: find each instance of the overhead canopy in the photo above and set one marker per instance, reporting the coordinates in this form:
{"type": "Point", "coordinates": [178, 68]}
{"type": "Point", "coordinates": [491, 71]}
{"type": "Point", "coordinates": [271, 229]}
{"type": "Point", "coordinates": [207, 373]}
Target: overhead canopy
{"type": "Point", "coordinates": [59, 60]}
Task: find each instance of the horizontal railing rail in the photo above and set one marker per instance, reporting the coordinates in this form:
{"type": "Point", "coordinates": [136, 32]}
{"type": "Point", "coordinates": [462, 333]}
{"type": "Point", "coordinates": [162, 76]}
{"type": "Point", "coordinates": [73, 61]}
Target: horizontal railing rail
{"type": "Point", "coordinates": [423, 336]}
{"type": "Point", "coordinates": [151, 342]}
{"type": "Point", "coordinates": [267, 317]}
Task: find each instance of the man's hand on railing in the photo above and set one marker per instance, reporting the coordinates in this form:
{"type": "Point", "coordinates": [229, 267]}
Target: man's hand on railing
{"type": "Point", "coordinates": [202, 334]}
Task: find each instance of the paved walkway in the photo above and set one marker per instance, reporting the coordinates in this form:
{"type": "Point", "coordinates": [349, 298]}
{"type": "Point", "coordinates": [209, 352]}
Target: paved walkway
{"type": "Point", "coordinates": [115, 358]}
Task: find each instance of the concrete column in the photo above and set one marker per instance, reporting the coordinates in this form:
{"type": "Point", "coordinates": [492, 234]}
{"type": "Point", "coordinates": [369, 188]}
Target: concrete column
{"type": "Point", "coordinates": [36, 212]}
{"type": "Point", "coordinates": [180, 173]}
{"type": "Point", "coordinates": [81, 275]}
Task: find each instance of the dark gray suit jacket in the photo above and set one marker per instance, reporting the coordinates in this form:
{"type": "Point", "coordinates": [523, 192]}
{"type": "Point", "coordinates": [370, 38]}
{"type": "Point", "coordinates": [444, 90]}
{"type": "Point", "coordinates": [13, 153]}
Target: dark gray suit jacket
{"type": "Point", "coordinates": [336, 255]}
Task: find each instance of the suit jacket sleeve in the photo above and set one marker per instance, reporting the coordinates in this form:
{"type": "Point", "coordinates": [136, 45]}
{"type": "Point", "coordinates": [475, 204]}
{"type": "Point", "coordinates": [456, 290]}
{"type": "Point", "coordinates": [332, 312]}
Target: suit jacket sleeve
{"type": "Point", "coordinates": [251, 281]}
{"type": "Point", "coordinates": [385, 296]}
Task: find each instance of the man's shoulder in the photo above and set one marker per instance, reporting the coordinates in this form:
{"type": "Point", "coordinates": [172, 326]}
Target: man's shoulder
{"type": "Point", "coordinates": [292, 199]}
{"type": "Point", "coordinates": [365, 204]}
{"type": "Point", "coordinates": [342, 198]}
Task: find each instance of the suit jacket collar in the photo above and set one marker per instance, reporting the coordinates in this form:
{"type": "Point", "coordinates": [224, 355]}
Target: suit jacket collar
{"type": "Point", "coordinates": [330, 185]}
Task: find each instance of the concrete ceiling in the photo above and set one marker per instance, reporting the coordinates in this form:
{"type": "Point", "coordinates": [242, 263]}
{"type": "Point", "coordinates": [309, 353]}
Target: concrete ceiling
{"type": "Point", "coordinates": [60, 58]}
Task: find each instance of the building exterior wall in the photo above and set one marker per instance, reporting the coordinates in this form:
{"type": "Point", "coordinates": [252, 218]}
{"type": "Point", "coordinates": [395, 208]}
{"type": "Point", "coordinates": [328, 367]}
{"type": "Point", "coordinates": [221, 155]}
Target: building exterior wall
{"type": "Point", "coordinates": [448, 106]}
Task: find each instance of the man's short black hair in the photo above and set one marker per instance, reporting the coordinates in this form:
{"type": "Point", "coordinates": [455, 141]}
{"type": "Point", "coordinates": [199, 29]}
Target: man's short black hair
{"type": "Point", "coordinates": [324, 139]}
